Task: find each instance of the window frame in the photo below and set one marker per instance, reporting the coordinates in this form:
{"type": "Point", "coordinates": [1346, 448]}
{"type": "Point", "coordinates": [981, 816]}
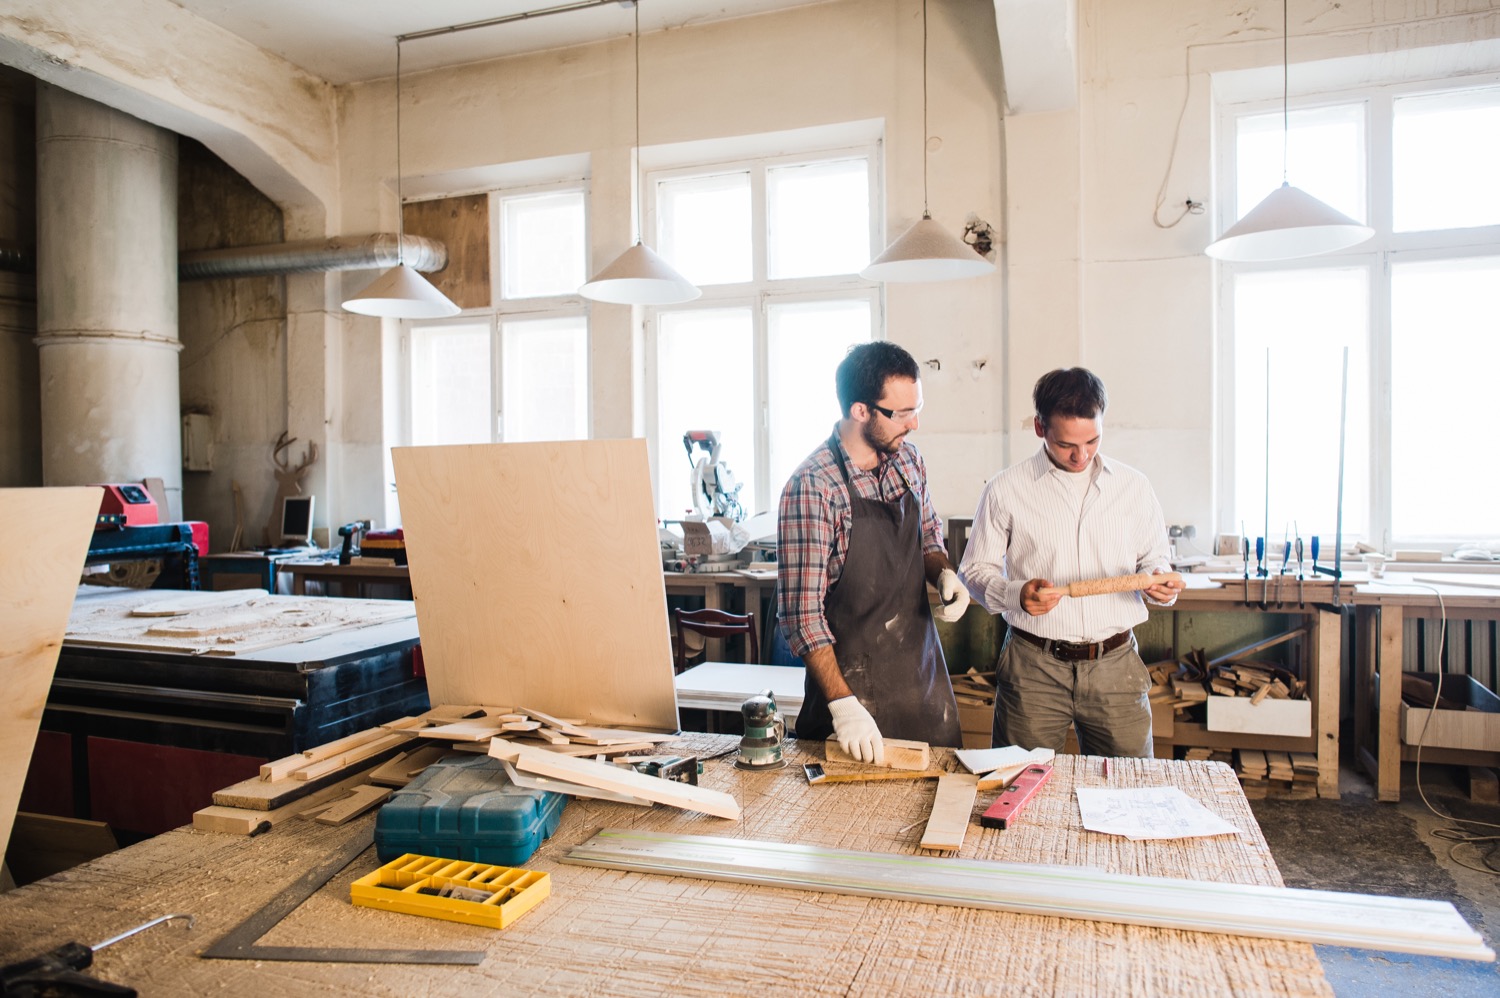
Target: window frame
{"type": "Point", "coordinates": [761, 292]}
{"type": "Point", "coordinates": [500, 310]}
{"type": "Point", "coordinates": [1377, 256]}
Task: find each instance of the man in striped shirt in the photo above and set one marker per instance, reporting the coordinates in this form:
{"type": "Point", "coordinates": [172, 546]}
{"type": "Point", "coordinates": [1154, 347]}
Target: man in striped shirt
{"type": "Point", "coordinates": [1063, 515]}
{"type": "Point", "coordinates": [857, 543]}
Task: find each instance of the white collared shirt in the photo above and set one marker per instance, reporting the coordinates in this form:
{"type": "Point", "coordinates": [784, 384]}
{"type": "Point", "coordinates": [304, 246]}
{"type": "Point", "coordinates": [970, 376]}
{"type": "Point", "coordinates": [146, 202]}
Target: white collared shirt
{"type": "Point", "coordinates": [1029, 526]}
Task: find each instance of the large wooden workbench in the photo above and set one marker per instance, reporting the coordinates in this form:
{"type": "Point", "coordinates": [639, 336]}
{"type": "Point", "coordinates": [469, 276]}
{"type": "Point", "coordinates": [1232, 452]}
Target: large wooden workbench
{"type": "Point", "coordinates": [1322, 675]}
{"type": "Point", "coordinates": [1381, 612]}
{"type": "Point", "coordinates": [610, 933]}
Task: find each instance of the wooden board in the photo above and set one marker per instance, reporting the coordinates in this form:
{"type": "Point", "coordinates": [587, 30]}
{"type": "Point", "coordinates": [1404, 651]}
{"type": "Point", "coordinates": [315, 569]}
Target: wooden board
{"type": "Point", "coordinates": [899, 754]}
{"type": "Point", "coordinates": [247, 821]}
{"type": "Point", "coordinates": [951, 810]}
{"type": "Point", "coordinates": [45, 535]}
{"type": "Point", "coordinates": [462, 225]}
{"type": "Point", "coordinates": [360, 800]}
{"type": "Point", "coordinates": [400, 771]}
{"type": "Point", "coordinates": [611, 777]}
{"type": "Point", "coordinates": [44, 844]}
{"type": "Point", "coordinates": [537, 574]}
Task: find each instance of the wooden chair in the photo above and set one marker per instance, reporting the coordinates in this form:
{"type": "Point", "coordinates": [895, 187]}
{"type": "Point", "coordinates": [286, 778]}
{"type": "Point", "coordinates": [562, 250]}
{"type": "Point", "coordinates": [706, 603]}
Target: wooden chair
{"type": "Point", "coordinates": [714, 624]}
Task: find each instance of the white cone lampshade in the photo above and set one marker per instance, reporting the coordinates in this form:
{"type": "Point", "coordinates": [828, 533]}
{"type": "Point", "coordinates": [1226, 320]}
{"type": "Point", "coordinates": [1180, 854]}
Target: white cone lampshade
{"type": "Point", "coordinates": [926, 252]}
{"type": "Point", "coordinates": [1287, 225]}
{"type": "Point", "coordinates": [402, 293]}
{"type": "Point", "coordinates": [639, 277]}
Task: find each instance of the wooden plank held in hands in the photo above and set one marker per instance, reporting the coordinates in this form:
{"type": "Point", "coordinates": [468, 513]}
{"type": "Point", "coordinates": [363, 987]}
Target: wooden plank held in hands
{"type": "Point", "coordinates": [899, 754]}
{"type": "Point", "coordinates": [1114, 584]}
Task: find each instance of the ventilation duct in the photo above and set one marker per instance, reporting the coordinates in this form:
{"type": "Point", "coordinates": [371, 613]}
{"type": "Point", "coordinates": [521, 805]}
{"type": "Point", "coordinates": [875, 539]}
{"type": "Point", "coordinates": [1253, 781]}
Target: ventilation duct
{"type": "Point", "coordinates": [372, 252]}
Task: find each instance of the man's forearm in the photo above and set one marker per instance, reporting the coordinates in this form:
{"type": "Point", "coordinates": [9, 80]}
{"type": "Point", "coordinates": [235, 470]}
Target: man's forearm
{"type": "Point", "coordinates": [934, 563]}
{"type": "Point", "coordinates": [823, 664]}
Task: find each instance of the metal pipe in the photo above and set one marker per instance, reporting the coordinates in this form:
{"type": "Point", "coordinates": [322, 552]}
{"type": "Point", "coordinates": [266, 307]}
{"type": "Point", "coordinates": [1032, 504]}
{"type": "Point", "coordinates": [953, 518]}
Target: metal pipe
{"type": "Point", "coordinates": [16, 258]}
{"type": "Point", "coordinates": [371, 252]}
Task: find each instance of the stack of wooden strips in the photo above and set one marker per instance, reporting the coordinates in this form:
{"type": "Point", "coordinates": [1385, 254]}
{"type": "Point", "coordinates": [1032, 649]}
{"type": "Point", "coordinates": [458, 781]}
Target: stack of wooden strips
{"type": "Point", "coordinates": [974, 688]}
{"type": "Point", "coordinates": [329, 782]}
{"type": "Point", "coordinates": [1195, 754]}
{"type": "Point", "coordinates": [1289, 775]}
{"type": "Point", "coordinates": [310, 783]}
{"type": "Point", "coordinates": [1254, 681]}
{"type": "Point", "coordinates": [471, 727]}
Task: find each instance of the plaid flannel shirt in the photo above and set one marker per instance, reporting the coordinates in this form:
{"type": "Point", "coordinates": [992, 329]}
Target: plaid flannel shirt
{"type": "Point", "coordinates": [812, 534]}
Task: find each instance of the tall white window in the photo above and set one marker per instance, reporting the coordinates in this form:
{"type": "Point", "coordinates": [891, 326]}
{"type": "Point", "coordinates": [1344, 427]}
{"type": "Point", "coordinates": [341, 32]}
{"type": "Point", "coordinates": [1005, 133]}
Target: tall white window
{"type": "Point", "coordinates": [1417, 308]}
{"type": "Point", "coordinates": [517, 371]}
{"type": "Point", "coordinates": [776, 245]}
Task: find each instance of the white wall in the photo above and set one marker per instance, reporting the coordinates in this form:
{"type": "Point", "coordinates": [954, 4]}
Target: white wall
{"type": "Point", "coordinates": [1094, 280]}
{"type": "Point", "coordinates": [838, 62]}
{"type": "Point", "coordinates": [1088, 277]}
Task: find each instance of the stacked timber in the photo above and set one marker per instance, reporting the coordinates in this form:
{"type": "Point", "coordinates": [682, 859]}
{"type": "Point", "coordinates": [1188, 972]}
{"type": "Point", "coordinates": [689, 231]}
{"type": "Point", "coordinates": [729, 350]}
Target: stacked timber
{"type": "Point", "coordinates": [1285, 775]}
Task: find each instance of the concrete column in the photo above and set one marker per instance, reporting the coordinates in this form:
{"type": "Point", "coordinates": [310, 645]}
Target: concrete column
{"type": "Point", "coordinates": [107, 295]}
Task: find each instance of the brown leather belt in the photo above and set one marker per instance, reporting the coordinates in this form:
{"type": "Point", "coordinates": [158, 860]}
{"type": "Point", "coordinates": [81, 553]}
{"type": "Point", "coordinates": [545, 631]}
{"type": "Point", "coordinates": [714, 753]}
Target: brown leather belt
{"type": "Point", "coordinates": [1073, 651]}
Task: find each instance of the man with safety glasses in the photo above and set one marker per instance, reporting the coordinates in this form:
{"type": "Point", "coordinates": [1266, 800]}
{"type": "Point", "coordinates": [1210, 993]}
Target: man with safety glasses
{"type": "Point", "coordinates": [857, 542]}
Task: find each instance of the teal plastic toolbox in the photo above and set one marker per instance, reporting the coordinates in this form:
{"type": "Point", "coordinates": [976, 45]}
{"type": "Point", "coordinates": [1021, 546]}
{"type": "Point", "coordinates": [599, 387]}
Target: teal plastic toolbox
{"type": "Point", "coordinates": [465, 807]}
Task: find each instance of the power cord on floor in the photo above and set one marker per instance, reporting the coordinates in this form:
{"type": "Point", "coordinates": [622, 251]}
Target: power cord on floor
{"type": "Point", "coordinates": [1458, 836]}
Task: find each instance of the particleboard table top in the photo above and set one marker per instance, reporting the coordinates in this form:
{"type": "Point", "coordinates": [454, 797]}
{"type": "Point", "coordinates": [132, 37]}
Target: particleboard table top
{"type": "Point", "coordinates": [604, 932]}
{"type": "Point", "coordinates": [217, 623]}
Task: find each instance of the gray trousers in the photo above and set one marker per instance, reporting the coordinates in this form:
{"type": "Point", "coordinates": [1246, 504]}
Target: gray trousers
{"type": "Point", "coordinates": [1105, 699]}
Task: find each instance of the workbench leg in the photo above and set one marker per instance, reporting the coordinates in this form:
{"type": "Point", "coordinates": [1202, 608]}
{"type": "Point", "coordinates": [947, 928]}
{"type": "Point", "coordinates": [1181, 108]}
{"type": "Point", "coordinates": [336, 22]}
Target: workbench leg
{"type": "Point", "coordinates": [1388, 717]}
{"type": "Point", "coordinates": [1362, 664]}
{"type": "Point", "coordinates": [1327, 642]}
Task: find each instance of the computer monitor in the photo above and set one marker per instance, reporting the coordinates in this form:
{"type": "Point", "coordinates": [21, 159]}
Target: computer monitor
{"type": "Point", "coordinates": [296, 520]}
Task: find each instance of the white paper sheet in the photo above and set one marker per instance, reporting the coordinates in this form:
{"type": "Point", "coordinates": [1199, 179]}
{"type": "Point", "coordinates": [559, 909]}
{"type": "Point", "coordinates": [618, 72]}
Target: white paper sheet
{"type": "Point", "coordinates": [990, 759]}
{"type": "Point", "coordinates": [1148, 813]}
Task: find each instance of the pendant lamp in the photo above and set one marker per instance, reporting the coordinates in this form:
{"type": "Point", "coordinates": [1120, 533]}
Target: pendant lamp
{"type": "Point", "coordinates": [1289, 223]}
{"type": "Point", "coordinates": [639, 276]}
{"type": "Point", "coordinates": [401, 292]}
{"type": "Point", "coordinates": [926, 251]}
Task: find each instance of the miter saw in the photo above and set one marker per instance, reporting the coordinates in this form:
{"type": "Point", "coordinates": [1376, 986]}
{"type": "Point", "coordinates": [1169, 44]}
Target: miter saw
{"type": "Point", "coordinates": [715, 491]}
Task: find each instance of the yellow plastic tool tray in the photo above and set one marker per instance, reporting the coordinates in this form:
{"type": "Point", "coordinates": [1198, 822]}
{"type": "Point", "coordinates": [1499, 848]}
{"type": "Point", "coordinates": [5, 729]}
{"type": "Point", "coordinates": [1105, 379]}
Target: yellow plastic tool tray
{"type": "Point", "coordinates": [399, 886]}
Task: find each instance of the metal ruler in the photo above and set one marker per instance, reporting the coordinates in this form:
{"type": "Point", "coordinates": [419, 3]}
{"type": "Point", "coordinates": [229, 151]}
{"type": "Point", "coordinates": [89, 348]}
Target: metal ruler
{"type": "Point", "coordinates": [1332, 918]}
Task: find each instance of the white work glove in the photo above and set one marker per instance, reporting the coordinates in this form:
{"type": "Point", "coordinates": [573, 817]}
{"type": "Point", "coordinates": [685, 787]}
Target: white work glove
{"type": "Point", "coordinates": [954, 596]}
{"type": "Point", "coordinates": [856, 730]}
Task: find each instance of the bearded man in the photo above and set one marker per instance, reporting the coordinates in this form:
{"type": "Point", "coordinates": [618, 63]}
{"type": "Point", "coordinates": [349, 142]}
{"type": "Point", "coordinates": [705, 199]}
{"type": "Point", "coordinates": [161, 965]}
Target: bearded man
{"type": "Point", "coordinates": [857, 543]}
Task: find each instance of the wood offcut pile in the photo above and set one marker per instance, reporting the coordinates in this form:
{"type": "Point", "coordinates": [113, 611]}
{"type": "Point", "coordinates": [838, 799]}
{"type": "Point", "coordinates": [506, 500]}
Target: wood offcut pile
{"type": "Point", "coordinates": [1183, 685]}
{"type": "Point", "coordinates": [1187, 685]}
{"type": "Point", "coordinates": [975, 689]}
{"type": "Point", "coordinates": [342, 779]}
{"type": "Point", "coordinates": [1277, 774]}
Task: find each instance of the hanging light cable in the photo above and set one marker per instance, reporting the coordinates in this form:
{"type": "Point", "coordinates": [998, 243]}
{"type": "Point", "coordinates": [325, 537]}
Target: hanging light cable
{"type": "Point", "coordinates": [1289, 223]}
{"type": "Point", "coordinates": [401, 292]}
{"type": "Point", "coordinates": [639, 276]}
{"type": "Point", "coordinates": [926, 251]}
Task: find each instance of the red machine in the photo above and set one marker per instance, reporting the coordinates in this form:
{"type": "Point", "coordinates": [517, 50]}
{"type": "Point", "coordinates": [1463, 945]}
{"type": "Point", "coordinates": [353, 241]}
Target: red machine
{"type": "Point", "coordinates": [128, 500]}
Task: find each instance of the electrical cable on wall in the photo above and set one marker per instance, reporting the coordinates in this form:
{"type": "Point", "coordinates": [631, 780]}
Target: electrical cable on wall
{"type": "Point", "coordinates": [1190, 207]}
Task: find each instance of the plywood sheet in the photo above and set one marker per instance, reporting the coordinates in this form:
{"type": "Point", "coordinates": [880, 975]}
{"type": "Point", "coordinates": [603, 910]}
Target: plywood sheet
{"type": "Point", "coordinates": [45, 536]}
{"type": "Point", "coordinates": [537, 573]}
{"type": "Point", "coordinates": [462, 224]}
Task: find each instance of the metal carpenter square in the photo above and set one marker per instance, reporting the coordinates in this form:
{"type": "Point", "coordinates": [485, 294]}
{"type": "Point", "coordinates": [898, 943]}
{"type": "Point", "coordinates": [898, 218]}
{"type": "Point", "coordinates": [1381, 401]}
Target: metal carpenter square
{"type": "Point", "coordinates": [240, 942]}
{"type": "Point", "coordinates": [1014, 797]}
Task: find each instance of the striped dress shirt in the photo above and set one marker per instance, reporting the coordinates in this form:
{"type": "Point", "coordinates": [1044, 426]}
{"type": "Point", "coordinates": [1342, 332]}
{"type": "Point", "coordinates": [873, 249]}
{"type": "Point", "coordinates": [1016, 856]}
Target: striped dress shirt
{"type": "Point", "coordinates": [812, 532]}
{"type": "Point", "coordinates": [1030, 525]}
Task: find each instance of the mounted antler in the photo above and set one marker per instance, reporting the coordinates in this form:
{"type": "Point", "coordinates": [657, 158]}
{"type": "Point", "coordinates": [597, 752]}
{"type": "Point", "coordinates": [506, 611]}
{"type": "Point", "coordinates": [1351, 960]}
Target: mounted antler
{"type": "Point", "coordinates": [288, 479]}
{"type": "Point", "coordinates": [296, 474]}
